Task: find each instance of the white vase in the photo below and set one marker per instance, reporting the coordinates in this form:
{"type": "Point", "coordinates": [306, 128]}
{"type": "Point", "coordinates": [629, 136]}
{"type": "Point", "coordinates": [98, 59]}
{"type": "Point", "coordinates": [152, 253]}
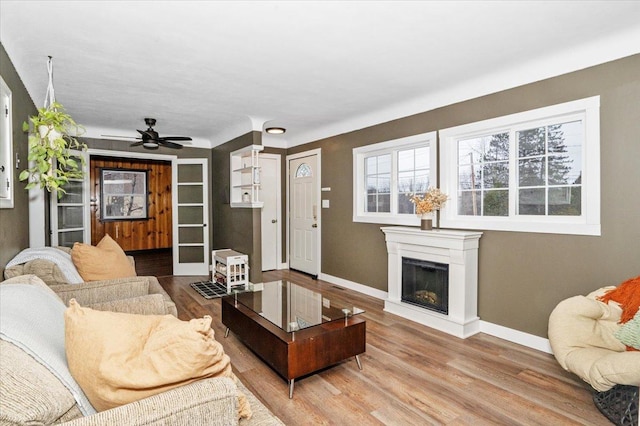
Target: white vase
{"type": "Point", "coordinates": [49, 133]}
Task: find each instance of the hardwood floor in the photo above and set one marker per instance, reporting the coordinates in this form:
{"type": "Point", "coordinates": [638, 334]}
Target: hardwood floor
{"type": "Point", "coordinates": [412, 374]}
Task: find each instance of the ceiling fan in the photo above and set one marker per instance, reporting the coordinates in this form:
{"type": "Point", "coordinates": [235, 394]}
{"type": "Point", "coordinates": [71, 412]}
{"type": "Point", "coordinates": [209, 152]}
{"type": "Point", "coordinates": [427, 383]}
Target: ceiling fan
{"type": "Point", "coordinates": [150, 139]}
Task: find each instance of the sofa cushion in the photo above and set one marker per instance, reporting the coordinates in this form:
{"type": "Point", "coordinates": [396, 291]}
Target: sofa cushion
{"type": "Point", "coordinates": [104, 261]}
{"type": "Point", "coordinates": [29, 393]}
{"type": "Point", "coordinates": [118, 358]}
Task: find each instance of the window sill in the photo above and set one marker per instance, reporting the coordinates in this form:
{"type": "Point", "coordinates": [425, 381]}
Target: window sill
{"type": "Point", "coordinates": [523, 225]}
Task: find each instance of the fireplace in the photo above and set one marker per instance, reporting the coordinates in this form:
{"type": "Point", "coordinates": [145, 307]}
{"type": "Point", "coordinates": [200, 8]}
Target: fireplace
{"type": "Point", "coordinates": [441, 262]}
{"type": "Point", "coordinates": [425, 284]}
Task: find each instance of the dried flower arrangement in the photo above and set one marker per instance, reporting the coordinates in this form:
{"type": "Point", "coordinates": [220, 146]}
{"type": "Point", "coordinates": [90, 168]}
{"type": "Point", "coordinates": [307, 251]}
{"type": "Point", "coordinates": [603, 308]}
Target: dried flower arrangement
{"type": "Point", "coordinates": [433, 199]}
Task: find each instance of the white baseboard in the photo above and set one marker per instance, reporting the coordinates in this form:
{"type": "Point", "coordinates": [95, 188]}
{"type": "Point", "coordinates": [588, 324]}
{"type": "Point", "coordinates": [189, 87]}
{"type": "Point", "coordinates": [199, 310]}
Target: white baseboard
{"type": "Point", "coordinates": [505, 333]}
{"type": "Point", "coordinates": [515, 336]}
{"type": "Point", "coordinates": [369, 291]}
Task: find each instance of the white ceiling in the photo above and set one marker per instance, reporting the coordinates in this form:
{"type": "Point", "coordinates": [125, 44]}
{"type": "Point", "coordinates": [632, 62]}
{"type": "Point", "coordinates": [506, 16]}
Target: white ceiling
{"type": "Point", "coordinates": [215, 70]}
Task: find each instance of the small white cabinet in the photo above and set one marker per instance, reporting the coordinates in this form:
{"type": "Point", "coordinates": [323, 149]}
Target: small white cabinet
{"type": "Point", "coordinates": [231, 269]}
{"type": "Point", "coordinates": [245, 177]}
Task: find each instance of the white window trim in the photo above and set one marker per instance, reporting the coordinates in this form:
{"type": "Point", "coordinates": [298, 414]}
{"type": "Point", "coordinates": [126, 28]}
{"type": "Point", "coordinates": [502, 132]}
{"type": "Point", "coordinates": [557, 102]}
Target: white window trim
{"type": "Point", "coordinates": [586, 224]}
{"type": "Point", "coordinates": [6, 147]}
{"type": "Point", "coordinates": [359, 154]}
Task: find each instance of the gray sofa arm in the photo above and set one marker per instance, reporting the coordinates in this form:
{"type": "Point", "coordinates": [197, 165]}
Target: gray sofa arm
{"type": "Point", "coordinates": [204, 402]}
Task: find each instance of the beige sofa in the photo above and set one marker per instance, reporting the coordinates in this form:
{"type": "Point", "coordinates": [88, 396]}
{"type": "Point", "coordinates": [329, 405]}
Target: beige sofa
{"type": "Point", "coordinates": [581, 334]}
{"type": "Point", "coordinates": [31, 394]}
{"type": "Point", "coordinates": [95, 291]}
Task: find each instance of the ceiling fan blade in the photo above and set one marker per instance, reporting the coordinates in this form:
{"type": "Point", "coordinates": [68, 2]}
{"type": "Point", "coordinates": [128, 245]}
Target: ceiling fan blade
{"type": "Point", "coordinates": [137, 143]}
{"type": "Point", "coordinates": [176, 138]}
{"type": "Point", "coordinates": [169, 144]}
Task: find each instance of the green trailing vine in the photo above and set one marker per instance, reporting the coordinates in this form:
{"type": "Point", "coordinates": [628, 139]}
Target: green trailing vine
{"type": "Point", "coordinates": [51, 138]}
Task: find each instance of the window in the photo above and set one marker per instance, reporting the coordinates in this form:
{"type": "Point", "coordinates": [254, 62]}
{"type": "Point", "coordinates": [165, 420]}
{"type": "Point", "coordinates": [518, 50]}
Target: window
{"type": "Point", "coordinates": [124, 194]}
{"type": "Point", "coordinates": [387, 173]}
{"type": "Point", "coordinates": [536, 171]}
{"type": "Point", "coordinates": [6, 148]}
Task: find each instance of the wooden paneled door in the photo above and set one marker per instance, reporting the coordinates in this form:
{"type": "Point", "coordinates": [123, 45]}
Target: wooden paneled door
{"type": "Point", "coordinates": [141, 234]}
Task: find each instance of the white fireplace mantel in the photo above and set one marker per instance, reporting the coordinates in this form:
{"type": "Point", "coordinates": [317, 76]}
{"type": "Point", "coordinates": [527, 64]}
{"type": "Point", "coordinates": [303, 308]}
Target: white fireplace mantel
{"type": "Point", "coordinates": [459, 250]}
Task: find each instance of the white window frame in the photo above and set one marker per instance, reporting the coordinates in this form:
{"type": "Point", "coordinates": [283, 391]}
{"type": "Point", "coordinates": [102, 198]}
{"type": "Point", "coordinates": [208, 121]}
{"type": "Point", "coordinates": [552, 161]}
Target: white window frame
{"type": "Point", "coordinates": [6, 146]}
{"type": "Point", "coordinates": [588, 223]}
{"type": "Point", "coordinates": [389, 147]}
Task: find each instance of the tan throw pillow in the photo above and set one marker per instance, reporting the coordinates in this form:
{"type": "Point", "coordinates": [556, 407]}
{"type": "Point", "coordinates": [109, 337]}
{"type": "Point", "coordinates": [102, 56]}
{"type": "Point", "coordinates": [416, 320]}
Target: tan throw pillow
{"type": "Point", "coordinates": [105, 261]}
{"type": "Point", "coordinates": [118, 358]}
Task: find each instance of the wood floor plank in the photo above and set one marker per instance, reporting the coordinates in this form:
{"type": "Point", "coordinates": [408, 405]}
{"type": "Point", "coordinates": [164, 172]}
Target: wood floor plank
{"type": "Point", "coordinates": [412, 374]}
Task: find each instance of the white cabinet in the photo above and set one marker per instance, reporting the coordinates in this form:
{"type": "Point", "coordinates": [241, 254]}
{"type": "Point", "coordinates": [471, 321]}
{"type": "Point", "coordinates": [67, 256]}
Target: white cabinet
{"type": "Point", "coordinates": [231, 269]}
{"type": "Point", "coordinates": [245, 177]}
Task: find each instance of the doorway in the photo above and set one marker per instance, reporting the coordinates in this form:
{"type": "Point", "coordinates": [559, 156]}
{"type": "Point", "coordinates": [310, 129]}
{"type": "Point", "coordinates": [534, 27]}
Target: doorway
{"type": "Point", "coordinates": [303, 188]}
{"type": "Point", "coordinates": [271, 194]}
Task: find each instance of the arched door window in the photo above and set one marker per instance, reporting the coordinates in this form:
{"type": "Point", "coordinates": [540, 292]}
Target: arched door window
{"type": "Point", "coordinates": [303, 170]}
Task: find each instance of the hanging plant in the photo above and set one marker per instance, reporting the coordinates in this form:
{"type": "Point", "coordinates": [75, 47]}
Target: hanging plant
{"type": "Point", "coordinates": [50, 141]}
{"type": "Point", "coordinates": [52, 136]}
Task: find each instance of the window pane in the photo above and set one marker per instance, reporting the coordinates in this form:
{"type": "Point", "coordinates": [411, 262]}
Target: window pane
{"type": "Point", "coordinates": [371, 166]}
{"type": "Point", "coordinates": [564, 136]}
{"type": "Point", "coordinates": [496, 203]}
{"type": "Point", "coordinates": [406, 160]}
{"type": "Point", "coordinates": [405, 182]}
{"type": "Point", "coordinates": [384, 203]}
{"type": "Point", "coordinates": [422, 182]}
{"type": "Point", "coordinates": [303, 170]}
{"type": "Point", "coordinates": [372, 185]}
{"type": "Point", "coordinates": [531, 142]}
{"type": "Point", "coordinates": [531, 172]}
{"type": "Point", "coordinates": [468, 179]}
{"type": "Point", "coordinates": [471, 150]}
{"type": "Point", "coordinates": [470, 203]}
{"type": "Point", "coordinates": [497, 148]}
{"type": "Point", "coordinates": [371, 203]}
{"type": "Point", "coordinates": [384, 184]}
{"type": "Point", "coordinates": [565, 201]}
{"type": "Point", "coordinates": [422, 158]}
{"type": "Point", "coordinates": [496, 175]}
{"type": "Point", "coordinates": [531, 201]}
{"type": "Point", "coordinates": [384, 163]}
{"type": "Point", "coordinates": [405, 206]}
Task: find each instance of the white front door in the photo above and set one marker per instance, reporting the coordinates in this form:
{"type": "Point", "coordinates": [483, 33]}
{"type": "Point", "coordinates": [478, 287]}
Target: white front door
{"type": "Point", "coordinates": [271, 195]}
{"type": "Point", "coordinates": [304, 214]}
{"type": "Point", "coordinates": [190, 216]}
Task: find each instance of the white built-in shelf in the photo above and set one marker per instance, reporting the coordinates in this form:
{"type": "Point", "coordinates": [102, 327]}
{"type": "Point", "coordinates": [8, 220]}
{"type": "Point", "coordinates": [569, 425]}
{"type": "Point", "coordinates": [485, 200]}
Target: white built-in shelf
{"type": "Point", "coordinates": [245, 177]}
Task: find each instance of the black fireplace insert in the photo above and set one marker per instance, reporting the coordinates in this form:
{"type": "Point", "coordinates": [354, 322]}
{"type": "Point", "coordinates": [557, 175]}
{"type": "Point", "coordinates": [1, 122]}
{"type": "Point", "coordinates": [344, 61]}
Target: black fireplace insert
{"type": "Point", "coordinates": [425, 284]}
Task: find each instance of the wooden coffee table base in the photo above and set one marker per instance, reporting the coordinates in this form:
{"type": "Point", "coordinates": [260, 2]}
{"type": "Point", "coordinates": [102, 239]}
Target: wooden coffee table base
{"type": "Point", "coordinates": [296, 354]}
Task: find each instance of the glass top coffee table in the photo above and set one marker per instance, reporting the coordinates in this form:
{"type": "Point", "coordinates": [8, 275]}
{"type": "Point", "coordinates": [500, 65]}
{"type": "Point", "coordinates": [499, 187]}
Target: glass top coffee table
{"type": "Point", "coordinates": [294, 329]}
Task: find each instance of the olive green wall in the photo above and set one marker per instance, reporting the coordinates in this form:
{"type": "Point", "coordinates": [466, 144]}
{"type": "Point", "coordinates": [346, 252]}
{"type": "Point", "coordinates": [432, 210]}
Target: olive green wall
{"type": "Point", "coordinates": [14, 223]}
{"type": "Point", "coordinates": [522, 276]}
{"type": "Point", "coordinates": [235, 228]}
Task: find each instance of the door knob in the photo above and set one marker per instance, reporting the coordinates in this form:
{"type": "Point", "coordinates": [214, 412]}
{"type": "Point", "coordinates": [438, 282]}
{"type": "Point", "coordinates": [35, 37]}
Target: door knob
{"type": "Point", "coordinates": [315, 225]}
{"type": "Point", "coordinates": [273, 220]}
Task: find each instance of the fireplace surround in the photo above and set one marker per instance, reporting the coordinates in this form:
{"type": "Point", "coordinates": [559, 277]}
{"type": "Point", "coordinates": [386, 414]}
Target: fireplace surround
{"type": "Point", "coordinates": [456, 249]}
